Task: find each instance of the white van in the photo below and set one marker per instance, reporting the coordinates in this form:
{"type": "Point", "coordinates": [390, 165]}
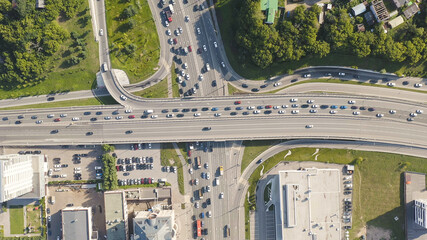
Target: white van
{"type": "Point", "coordinates": [148, 111]}
{"type": "Point", "coordinates": [216, 181]}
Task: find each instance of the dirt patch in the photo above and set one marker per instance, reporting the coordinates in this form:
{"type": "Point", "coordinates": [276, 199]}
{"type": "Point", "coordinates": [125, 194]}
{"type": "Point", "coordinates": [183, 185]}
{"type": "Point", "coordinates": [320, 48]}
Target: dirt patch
{"type": "Point", "coordinates": [377, 233]}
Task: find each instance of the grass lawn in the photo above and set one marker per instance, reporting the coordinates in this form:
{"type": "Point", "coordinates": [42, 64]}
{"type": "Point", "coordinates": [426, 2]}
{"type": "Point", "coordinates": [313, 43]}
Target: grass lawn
{"type": "Point", "coordinates": [226, 11]}
{"type": "Point", "coordinates": [144, 61]}
{"type": "Point", "coordinates": [175, 86]}
{"type": "Point", "coordinates": [253, 149]}
{"type": "Point", "coordinates": [16, 219]}
{"type": "Point", "coordinates": [169, 157]}
{"type": "Point", "coordinates": [378, 177]}
{"type": "Point", "coordinates": [79, 102]}
{"type": "Point", "coordinates": [234, 91]}
{"type": "Point", "coordinates": [33, 218]}
{"type": "Point", "coordinates": [160, 90]}
{"type": "Point", "coordinates": [62, 77]}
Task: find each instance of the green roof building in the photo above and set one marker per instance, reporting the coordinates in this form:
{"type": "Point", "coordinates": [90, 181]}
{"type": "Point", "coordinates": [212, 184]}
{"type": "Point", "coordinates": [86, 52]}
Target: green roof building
{"type": "Point", "coordinates": [270, 8]}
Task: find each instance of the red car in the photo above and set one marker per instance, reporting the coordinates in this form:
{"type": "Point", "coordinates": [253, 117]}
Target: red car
{"type": "Point", "coordinates": [131, 116]}
{"type": "Point", "coordinates": [190, 49]}
{"type": "Point", "coordinates": [189, 153]}
{"type": "Point", "coordinates": [57, 120]}
{"type": "Point", "coordinates": [175, 41]}
{"type": "Point", "coordinates": [268, 106]}
{"type": "Point", "coordinates": [118, 168]}
{"type": "Point", "coordinates": [149, 180]}
{"type": "Point", "coordinates": [237, 102]}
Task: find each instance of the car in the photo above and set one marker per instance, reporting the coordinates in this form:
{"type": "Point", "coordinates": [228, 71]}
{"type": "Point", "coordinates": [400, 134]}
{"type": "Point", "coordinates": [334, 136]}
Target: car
{"type": "Point", "coordinates": [107, 117]}
{"type": "Point", "coordinates": [419, 111]}
{"type": "Point", "coordinates": [256, 111]}
{"type": "Point", "coordinates": [177, 32]}
{"type": "Point", "coordinates": [351, 102]}
{"type": "Point", "coordinates": [204, 48]}
{"type": "Point", "coordinates": [198, 31]}
{"type": "Point", "coordinates": [341, 74]}
{"type": "Point", "coordinates": [123, 97]}
{"type": "Point", "coordinates": [131, 116]}
{"type": "Point", "coordinates": [54, 131]}
{"type": "Point", "coordinates": [356, 113]}
{"type": "Point", "coordinates": [294, 100]}
{"type": "Point", "coordinates": [196, 205]}
{"type": "Point", "coordinates": [180, 29]}
{"type": "Point", "coordinates": [168, 32]}
{"type": "Point", "coordinates": [223, 64]}
{"type": "Point", "coordinates": [129, 132]}
{"type": "Point", "coordinates": [49, 115]}
{"type": "Point", "coordinates": [334, 106]}
{"type": "Point", "coordinates": [391, 84]}
{"type": "Point", "coordinates": [313, 111]}
{"type": "Point", "coordinates": [89, 133]}
{"type": "Point", "coordinates": [49, 218]}
{"type": "Point", "coordinates": [285, 106]}
{"type": "Point", "coordinates": [371, 109]}
{"type": "Point", "coordinates": [295, 111]}
{"type": "Point", "coordinates": [309, 126]}
{"type": "Point", "coordinates": [250, 107]}
{"type": "Point", "coordinates": [206, 129]}
{"type": "Point", "coordinates": [50, 98]}
{"type": "Point", "coordinates": [418, 85]}
{"type": "Point", "coordinates": [237, 102]}
{"type": "Point", "coordinates": [413, 114]}
{"type": "Point", "coordinates": [282, 112]}
{"type": "Point", "coordinates": [307, 75]}
{"type": "Point", "coordinates": [410, 119]}
{"type": "Point", "coordinates": [187, 76]}
{"type": "Point", "coordinates": [200, 77]}
{"type": "Point", "coordinates": [187, 18]}
{"type": "Point", "coordinates": [244, 85]}
{"type": "Point", "coordinates": [277, 84]}
{"type": "Point", "coordinates": [170, 115]}
{"type": "Point", "coordinates": [276, 107]}
{"type": "Point", "coordinates": [343, 107]}
{"type": "Point", "coordinates": [39, 121]}
{"type": "Point", "coordinates": [208, 175]}
{"type": "Point", "coordinates": [101, 32]}
{"type": "Point", "coordinates": [392, 111]}
{"type": "Point", "coordinates": [217, 114]}
{"type": "Point", "coordinates": [268, 106]}
{"type": "Point", "coordinates": [98, 113]}
{"type": "Point", "coordinates": [197, 114]}
{"type": "Point", "coordinates": [254, 90]}
{"type": "Point", "coordinates": [332, 112]}
{"type": "Point", "coordinates": [294, 105]}
{"type": "Point", "coordinates": [209, 214]}
{"type": "Point", "coordinates": [221, 195]}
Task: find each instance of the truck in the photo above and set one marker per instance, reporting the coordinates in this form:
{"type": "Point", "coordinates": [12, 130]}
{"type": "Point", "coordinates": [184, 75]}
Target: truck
{"type": "Point", "coordinates": [221, 170]}
{"type": "Point", "coordinates": [216, 181]}
{"type": "Point", "coordinates": [171, 8]}
{"type": "Point", "coordinates": [198, 228]}
{"type": "Point", "coordinates": [198, 162]}
{"type": "Point", "coordinates": [200, 194]}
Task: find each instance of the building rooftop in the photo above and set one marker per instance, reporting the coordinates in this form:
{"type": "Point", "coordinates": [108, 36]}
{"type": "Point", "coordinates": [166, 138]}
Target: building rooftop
{"type": "Point", "coordinates": [411, 10]}
{"type": "Point", "coordinates": [76, 223]}
{"type": "Point", "coordinates": [116, 215]}
{"type": "Point", "coordinates": [379, 10]}
{"type": "Point", "coordinates": [396, 22]}
{"type": "Point", "coordinates": [359, 9]}
{"type": "Point", "coordinates": [310, 204]}
{"type": "Point", "coordinates": [270, 7]}
{"type": "Point", "coordinates": [399, 3]}
{"type": "Point", "coordinates": [154, 225]}
{"type": "Point", "coordinates": [415, 188]}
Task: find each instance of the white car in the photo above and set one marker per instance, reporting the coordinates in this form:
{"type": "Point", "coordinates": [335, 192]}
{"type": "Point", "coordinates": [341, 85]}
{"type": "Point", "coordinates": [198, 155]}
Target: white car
{"type": "Point", "coordinates": [419, 111]}
{"type": "Point", "coordinates": [63, 115]}
{"type": "Point", "coordinates": [356, 113]}
{"type": "Point", "coordinates": [391, 84]}
{"type": "Point", "coordinates": [413, 114]}
{"type": "Point", "coordinates": [215, 44]}
{"type": "Point", "coordinates": [380, 115]}
{"type": "Point", "coordinates": [182, 73]}
{"type": "Point", "coordinates": [276, 107]}
{"type": "Point", "coordinates": [190, 171]}
{"type": "Point", "coordinates": [392, 111]}
{"type": "Point", "coordinates": [294, 99]}
{"type": "Point", "coordinates": [187, 18]}
{"type": "Point", "coordinates": [308, 126]}
{"type": "Point", "coordinates": [197, 114]}
{"type": "Point", "coordinates": [154, 116]}
{"type": "Point", "coordinates": [314, 106]}
{"type": "Point", "coordinates": [177, 32]}
{"type": "Point", "coordinates": [277, 84]}
{"type": "Point", "coordinates": [313, 110]}
{"type": "Point", "coordinates": [170, 115]}
{"type": "Point", "coordinates": [204, 48]}
{"type": "Point", "coordinates": [307, 75]}
{"type": "Point", "coordinates": [39, 121]}
{"type": "Point", "coordinates": [223, 64]}
{"type": "Point", "coordinates": [209, 214]}
{"type": "Point", "coordinates": [418, 85]}
{"type": "Point", "coordinates": [285, 106]}
{"type": "Point", "coordinates": [351, 102]}
{"type": "Point", "coordinates": [196, 205]}
{"type": "Point", "coordinates": [200, 77]}
{"type": "Point", "coordinates": [75, 118]}
{"type": "Point", "coordinates": [198, 31]}
{"type": "Point", "coordinates": [221, 195]}
{"type": "Point", "coordinates": [185, 66]}
{"type": "Point", "coordinates": [123, 97]}
{"type": "Point", "coordinates": [128, 110]}
{"type": "Point", "coordinates": [166, 23]}
{"type": "Point", "coordinates": [51, 115]}
{"type": "Point", "coordinates": [101, 32]}
{"type": "Point", "coordinates": [282, 111]}
{"type": "Point", "coordinates": [341, 74]}
{"type": "Point", "coordinates": [332, 112]}
{"type": "Point", "coordinates": [187, 76]}
{"type": "Point", "coordinates": [119, 117]}
{"type": "Point", "coordinates": [256, 112]}
{"type": "Point", "coordinates": [250, 107]}
{"type": "Point", "coordinates": [295, 111]}
{"type": "Point", "coordinates": [180, 30]}
{"type": "Point", "coordinates": [107, 118]}
{"type": "Point", "coordinates": [168, 32]}
{"type": "Point", "coordinates": [217, 114]}
{"type": "Point", "coordinates": [310, 101]}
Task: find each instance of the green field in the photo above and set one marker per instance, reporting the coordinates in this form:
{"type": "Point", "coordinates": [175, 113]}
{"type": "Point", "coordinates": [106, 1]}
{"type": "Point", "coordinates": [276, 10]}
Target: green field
{"type": "Point", "coordinates": [79, 102]}
{"type": "Point", "coordinates": [175, 84]}
{"type": "Point", "coordinates": [62, 77]}
{"type": "Point", "coordinates": [377, 175]}
{"type": "Point", "coordinates": [159, 90]}
{"type": "Point", "coordinates": [169, 157]}
{"type": "Point", "coordinates": [227, 10]}
{"type": "Point", "coordinates": [16, 219]}
{"type": "Point", "coordinates": [253, 149]}
{"type": "Point", "coordinates": [234, 91]}
{"type": "Point", "coordinates": [141, 62]}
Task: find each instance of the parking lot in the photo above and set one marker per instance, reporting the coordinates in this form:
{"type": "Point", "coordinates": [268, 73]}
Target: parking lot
{"type": "Point", "coordinates": [78, 197]}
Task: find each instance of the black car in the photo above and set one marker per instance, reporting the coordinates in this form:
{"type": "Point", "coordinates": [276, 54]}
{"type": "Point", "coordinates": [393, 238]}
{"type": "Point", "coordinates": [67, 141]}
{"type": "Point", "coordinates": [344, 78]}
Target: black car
{"type": "Point", "coordinates": [371, 109]}
{"type": "Point", "coordinates": [37, 152]}
{"type": "Point", "coordinates": [267, 112]}
{"type": "Point", "coordinates": [165, 111]}
{"type": "Point", "coordinates": [233, 113]}
{"type": "Point", "coordinates": [294, 80]}
{"type": "Point", "coordinates": [214, 83]}
{"type": "Point", "coordinates": [354, 107]}
{"type": "Point", "coordinates": [245, 113]}
{"type": "Point", "coordinates": [185, 110]}
{"type": "Point", "coordinates": [180, 115]}
{"type": "Point", "coordinates": [175, 110]}
{"type": "Point", "coordinates": [129, 131]}
{"type": "Point", "coordinates": [227, 108]}
{"type": "Point", "coordinates": [208, 201]}
{"type": "Point", "coordinates": [5, 118]}
{"type": "Point", "coordinates": [255, 90]}
{"type": "Point", "coordinates": [89, 133]}
{"type": "Point", "coordinates": [264, 86]}
{"type": "Point", "coordinates": [48, 210]}
{"type": "Point", "coordinates": [18, 122]}
{"type": "Point", "coordinates": [86, 113]}
{"type": "Point", "coordinates": [21, 152]}
{"type": "Point", "coordinates": [93, 119]}
{"type": "Point", "coordinates": [54, 131]}
{"type": "Point", "coordinates": [205, 109]}
{"type": "Point", "coordinates": [244, 85]}
{"type": "Point", "coordinates": [405, 83]}
{"type": "Point", "coordinates": [51, 98]}
{"type": "Point", "coordinates": [362, 108]}
{"type": "Point", "coordinates": [206, 128]}
{"type": "Point", "coordinates": [194, 110]}
{"type": "Point", "coordinates": [98, 113]}
{"type": "Point", "coordinates": [324, 106]}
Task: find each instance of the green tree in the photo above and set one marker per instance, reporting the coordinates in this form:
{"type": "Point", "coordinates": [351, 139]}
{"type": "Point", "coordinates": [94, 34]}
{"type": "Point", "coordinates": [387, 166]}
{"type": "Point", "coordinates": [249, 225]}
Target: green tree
{"type": "Point", "coordinates": [129, 11]}
{"type": "Point", "coordinates": [108, 148]}
{"type": "Point", "coordinates": [110, 173]}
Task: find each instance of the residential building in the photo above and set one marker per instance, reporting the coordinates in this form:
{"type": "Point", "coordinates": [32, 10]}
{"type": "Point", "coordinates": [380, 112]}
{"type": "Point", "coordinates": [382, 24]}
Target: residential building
{"type": "Point", "coordinates": [369, 17]}
{"type": "Point", "coordinates": [40, 4]}
{"type": "Point", "coordinates": [379, 10]}
{"type": "Point", "coordinates": [269, 7]}
{"type": "Point", "coordinates": [415, 202]}
{"type": "Point", "coordinates": [421, 212]}
{"type": "Point", "coordinates": [76, 223]}
{"type": "Point", "coordinates": [156, 224]}
{"type": "Point", "coordinates": [411, 10]}
{"type": "Point", "coordinates": [22, 177]}
{"type": "Point", "coordinates": [400, 3]}
{"type": "Point", "coordinates": [396, 22]}
{"type": "Point", "coordinates": [359, 9]}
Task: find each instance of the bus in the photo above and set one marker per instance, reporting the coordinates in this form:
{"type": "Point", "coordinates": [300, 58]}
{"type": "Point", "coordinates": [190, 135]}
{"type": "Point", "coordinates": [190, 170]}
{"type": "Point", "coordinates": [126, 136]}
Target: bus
{"type": "Point", "coordinates": [198, 163]}
{"type": "Point", "coordinates": [198, 228]}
